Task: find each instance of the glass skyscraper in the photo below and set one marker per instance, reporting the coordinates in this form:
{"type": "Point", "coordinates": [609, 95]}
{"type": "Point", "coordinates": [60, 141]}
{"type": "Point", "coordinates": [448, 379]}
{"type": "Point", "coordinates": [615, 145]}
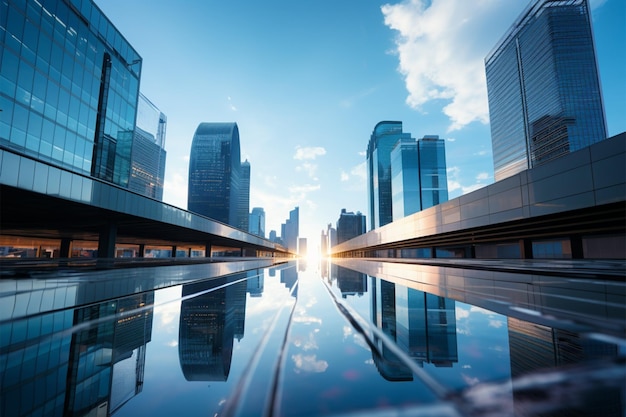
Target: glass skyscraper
{"type": "Point", "coordinates": [382, 141]}
{"type": "Point", "coordinates": [257, 222]}
{"type": "Point", "coordinates": [148, 152]}
{"type": "Point", "coordinates": [215, 172]}
{"type": "Point", "coordinates": [69, 84]}
{"type": "Point", "coordinates": [244, 197]}
{"type": "Point", "coordinates": [405, 177]}
{"type": "Point", "coordinates": [543, 87]}
{"type": "Point", "coordinates": [418, 172]}
{"type": "Point", "coordinates": [432, 170]}
{"type": "Point", "coordinates": [350, 225]}
{"type": "Point", "coordinates": [290, 230]}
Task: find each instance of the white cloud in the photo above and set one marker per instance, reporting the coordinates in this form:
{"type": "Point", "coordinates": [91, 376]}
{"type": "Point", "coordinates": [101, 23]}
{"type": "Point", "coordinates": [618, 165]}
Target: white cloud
{"type": "Point", "coordinates": [309, 363]}
{"type": "Point", "coordinates": [309, 168]}
{"type": "Point", "coordinates": [441, 46]}
{"type": "Point", "coordinates": [309, 152]}
{"type": "Point", "coordinates": [175, 189]}
{"type": "Point", "coordinates": [344, 176]}
{"type": "Point", "coordinates": [230, 103]}
{"type": "Point", "coordinates": [306, 188]}
{"type": "Point", "coordinates": [454, 182]}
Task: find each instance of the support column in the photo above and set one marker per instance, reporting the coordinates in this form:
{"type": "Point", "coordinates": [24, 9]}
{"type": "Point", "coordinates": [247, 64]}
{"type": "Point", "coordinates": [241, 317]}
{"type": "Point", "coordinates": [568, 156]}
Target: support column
{"type": "Point", "coordinates": [207, 250]}
{"type": "Point", "coordinates": [142, 251]}
{"type": "Point", "coordinates": [106, 240]}
{"type": "Point", "coordinates": [576, 243]}
{"type": "Point", "coordinates": [189, 253]}
{"type": "Point", "coordinates": [526, 248]}
{"type": "Point", "coordinates": [174, 251]}
{"type": "Point", "coordinates": [64, 250]}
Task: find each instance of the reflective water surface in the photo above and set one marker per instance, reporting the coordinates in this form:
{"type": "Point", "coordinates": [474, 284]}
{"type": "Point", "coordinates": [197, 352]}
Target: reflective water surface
{"type": "Point", "coordinates": [297, 339]}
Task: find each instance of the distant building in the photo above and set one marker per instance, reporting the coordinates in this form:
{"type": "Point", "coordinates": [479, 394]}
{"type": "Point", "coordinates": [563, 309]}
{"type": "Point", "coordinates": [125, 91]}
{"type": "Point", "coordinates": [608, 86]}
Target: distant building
{"type": "Point", "coordinates": [291, 229]}
{"type": "Point", "coordinates": [147, 170]}
{"type": "Point", "coordinates": [378, 160]}
{"type": "Point", "coordinates": [257, 222]}
{"type": "Point", "coordinates": [324, 243]}
{"type": "Point", "coordinates": [215, 173]}
{"type": "Point", "coordinates": [244, 198]}
{"type": "Point", "coordinates": [331, 233]}
{"type": "Point", "coordinates": [350, 225]}
{"type": "Point", "coordinates": [273, 237]}
{"type": "Point", "coordinates": [302, 246]}
{"type": "Point", "coordinates": [543, 87]}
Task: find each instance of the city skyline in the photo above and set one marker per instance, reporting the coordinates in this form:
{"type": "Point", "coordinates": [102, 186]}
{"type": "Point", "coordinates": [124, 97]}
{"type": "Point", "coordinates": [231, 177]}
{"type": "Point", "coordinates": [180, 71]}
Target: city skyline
{"type": "Point", "coordinates": [319, 93]}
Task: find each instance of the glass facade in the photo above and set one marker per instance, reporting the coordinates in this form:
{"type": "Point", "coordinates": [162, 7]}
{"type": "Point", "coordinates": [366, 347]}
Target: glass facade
{"type": "Point", "coordinates": [543, 87]}
{"type": "Point", "coordinates": [215, 172]}
{"type": "Point", "coordinates": [418, 175]}
{"type": "Point", "coordinates": [432, 171]}
{"type": "Point", "coordinates": [349, 225]}
{"type": "Point", "coordinates": [405, 179]}
{"type": "Point", "coordinates": [148, 152]}
{"type": "Point", "coordinates": [257, 222]}
{"type": "Point", "coordinates": [382, 141]}
{"type": "Point", "coordinates": [291, 229]}
{"type": "Point", "coordinates": [69, 84]}
{"type": "Point", "coordinates": [244, 197]}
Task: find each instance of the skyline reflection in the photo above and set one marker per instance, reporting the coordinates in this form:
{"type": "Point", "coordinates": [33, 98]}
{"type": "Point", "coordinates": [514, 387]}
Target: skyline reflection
{"type": "Point", "coordinates": [263, 346]}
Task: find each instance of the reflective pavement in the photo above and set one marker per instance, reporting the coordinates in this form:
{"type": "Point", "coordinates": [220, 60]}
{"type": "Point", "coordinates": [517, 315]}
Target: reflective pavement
{"type": "Point", "coordinates": [355, 338]}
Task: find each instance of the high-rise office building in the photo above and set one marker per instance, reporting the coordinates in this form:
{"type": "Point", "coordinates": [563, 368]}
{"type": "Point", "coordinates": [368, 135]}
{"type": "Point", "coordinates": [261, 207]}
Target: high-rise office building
{"type": "Point", "coordinates": [432, 171]}
{"type": "Point", "coordinates": [69, 84]}
{"type": "Point", "coordinates": [405, 179]}
{"type": "Point", "coordinates": [302, 246]}
{"type": "Point", "coordinates": [543, 87]}
{"type": "Point", "coordinates": [291, 229]}
{"type": "Point", "coordinates": [148, 152]}
{"type": "Point", "coordinates": [350, 225]}
{"type": "Point", "coordinates": [215, 172]}
{"type": "Point", "coordinates": [257, 221]}
{"type": "Point", "coordinates": [418, 175]}
{"type": "Point", "coordinates": [244, 197]}
{"type": "Point", "coordinates": [378, 159]}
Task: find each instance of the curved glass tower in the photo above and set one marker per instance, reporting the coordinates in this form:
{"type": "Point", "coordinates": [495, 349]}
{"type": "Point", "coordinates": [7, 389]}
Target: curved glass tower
{"type": "Point", "coordinates": [214, 172]}
{"type": "Point", "coordinates": [382, 141]}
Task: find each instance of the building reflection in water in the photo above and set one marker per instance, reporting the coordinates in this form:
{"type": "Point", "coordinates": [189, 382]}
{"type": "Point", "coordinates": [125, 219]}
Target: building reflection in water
{"type": "Point", "coordinates": [47, 369]}
{"type": "Point", "coordinates": [535, 347]}
{"type": "Point", "coordinates": [422, 325]}
{"type": "Point", "coordinates": [350, 282]}
{"type": "Point", "coordinates": [209, 323]}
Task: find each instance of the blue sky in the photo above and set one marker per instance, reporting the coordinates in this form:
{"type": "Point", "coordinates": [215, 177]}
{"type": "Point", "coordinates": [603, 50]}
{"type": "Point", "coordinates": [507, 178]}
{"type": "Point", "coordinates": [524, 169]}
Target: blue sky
{"type": "Point", "coordinates": [307, 81]}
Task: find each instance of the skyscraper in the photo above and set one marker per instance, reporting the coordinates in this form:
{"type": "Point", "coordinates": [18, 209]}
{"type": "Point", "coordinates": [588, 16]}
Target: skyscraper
{"type": "Point", "coordinates": [432, 171]}
{"type": "Point", "coordinates": [244, 198]}
{"type": "Point", "coordinates": [215, 172]}
{"type": "Point", "coordinates": [349, 225]}
{"type": "Point", "coordinates": [418, 175]}
{"type": "Point", "coordinates": [382, 141]}
{"type": "Point", "coordinates": [148, 151]}
{"type": "Point", "coordinates": [291, 230]}
{"type": "Point", "coordinates": [69, 83]}
{"type": "Point", "coordinates": [405, 179]}
{"type": "Point", "coordinates": [543, 87]}
{"type": "Point", "coordinates": [257, 222]}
